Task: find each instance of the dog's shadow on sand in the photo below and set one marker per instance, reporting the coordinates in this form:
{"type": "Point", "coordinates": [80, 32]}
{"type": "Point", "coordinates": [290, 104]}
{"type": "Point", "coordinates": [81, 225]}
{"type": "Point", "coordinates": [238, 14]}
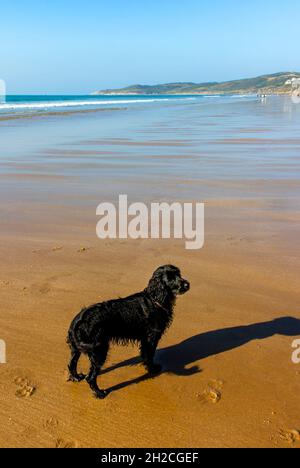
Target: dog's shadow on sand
{"type": "Point", "coordinates": [176, 359]}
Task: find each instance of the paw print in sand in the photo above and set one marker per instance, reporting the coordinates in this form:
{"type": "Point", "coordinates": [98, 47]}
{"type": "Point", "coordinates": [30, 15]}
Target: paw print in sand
{"type": "Point", "coordinates": [61, 443]}
{"type": "Point", "coordinates": [25, 388]}
{"type": "Point", "coordinates": [291, 436]}
{"type": "Point", "coordinates": [213, 392]}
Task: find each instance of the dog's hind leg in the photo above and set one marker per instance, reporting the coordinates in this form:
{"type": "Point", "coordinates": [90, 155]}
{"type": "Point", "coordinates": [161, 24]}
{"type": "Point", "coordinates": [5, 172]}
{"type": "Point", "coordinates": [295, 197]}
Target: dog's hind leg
{"type": "Point", "coordinates": [97, 357]}
{"type": "Point", "coordinates": [75, 355]}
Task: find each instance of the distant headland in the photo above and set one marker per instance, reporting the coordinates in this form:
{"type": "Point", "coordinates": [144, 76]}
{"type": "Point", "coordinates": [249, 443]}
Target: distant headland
{"type": "Point", "coordinates": [278, 83]}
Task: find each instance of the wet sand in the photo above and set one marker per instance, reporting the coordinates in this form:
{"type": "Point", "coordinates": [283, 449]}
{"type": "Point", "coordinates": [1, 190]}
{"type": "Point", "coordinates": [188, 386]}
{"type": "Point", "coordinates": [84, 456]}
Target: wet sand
{"type": "Point", "coordinates": [32, 115]}
{"type": "Point", "coordinates": [228, 376]}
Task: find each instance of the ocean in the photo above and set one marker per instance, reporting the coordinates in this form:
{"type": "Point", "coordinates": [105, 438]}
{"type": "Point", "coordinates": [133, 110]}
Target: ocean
{"type": "Point", "coordinates": [27, 104]}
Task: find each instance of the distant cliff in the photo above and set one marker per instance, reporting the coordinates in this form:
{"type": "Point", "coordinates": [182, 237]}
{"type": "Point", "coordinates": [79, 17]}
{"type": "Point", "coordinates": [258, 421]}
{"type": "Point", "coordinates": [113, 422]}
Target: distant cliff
{"type": "Point", "coordinates": [278, 83]}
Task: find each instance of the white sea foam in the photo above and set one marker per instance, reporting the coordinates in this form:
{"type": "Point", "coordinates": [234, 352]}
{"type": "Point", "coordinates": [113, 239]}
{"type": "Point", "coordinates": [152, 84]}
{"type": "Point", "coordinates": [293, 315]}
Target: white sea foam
{"type": "Point", "coordinates": [212, 96]}
{"type": "Point", "coordinates": [57, 104]}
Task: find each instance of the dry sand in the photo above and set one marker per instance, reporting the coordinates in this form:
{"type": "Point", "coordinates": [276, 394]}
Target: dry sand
{"type": "Point", "coordinates": [227, 381]}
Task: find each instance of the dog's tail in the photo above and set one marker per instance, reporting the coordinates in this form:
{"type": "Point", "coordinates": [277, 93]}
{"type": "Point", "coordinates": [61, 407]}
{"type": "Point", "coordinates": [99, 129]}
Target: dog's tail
{"type": "Point", "coordinates": [79, 345]}
{"type": "Point", "coordinates": [71, 337]}
{"type": "Point", "coordinates": [74, 339]}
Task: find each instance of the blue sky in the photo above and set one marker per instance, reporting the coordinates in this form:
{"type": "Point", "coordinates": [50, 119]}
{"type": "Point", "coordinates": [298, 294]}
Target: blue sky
{"type": "Point", "coordinates": [76, 47]}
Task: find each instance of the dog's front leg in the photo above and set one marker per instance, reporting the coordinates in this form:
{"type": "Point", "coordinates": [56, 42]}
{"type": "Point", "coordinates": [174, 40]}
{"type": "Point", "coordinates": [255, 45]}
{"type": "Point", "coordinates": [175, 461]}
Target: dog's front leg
{"type": "Point", "coordinates": [148, 348]}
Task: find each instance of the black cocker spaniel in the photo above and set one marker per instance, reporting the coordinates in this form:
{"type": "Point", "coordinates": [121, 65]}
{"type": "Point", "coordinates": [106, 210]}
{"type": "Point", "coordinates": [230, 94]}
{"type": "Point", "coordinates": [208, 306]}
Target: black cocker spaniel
{"type": "Point", "coordinates": [143, 318]}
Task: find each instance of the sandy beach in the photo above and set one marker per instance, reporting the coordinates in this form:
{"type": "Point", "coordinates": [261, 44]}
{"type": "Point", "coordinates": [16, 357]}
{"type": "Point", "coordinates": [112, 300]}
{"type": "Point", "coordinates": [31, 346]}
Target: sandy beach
{"type": "Point", "coordinates": [229, 379]}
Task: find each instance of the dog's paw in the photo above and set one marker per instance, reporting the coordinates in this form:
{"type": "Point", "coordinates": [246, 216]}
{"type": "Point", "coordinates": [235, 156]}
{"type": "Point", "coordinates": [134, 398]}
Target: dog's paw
{"type": "Point", "coordinates": [100, 394]}
{"type": "Point", "coordinates": [76, 378]}
{"type": "Point", "coordinates": [155, 369]}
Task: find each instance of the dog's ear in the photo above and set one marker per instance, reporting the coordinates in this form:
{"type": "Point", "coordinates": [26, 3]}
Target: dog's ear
{"type": "Point", "coordinates": [157, 287]}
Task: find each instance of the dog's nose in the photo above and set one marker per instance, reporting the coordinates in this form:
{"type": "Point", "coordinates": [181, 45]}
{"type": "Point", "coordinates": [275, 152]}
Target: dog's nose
{"type": "Point", "coordinates": [186, 285]}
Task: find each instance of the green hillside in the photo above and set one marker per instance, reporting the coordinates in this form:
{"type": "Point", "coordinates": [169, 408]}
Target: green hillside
{"type": "Point", "coordinates": [278, 83]}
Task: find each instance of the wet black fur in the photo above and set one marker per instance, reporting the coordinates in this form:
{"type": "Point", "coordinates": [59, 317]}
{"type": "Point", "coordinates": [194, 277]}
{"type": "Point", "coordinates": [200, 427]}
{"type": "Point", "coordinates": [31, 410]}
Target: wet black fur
{"type": "Point", "coordinates": [142, 318]}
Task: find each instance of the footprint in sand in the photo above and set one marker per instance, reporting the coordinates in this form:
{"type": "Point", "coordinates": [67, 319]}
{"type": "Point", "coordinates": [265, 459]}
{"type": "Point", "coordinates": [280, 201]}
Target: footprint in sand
{"type": "Point", "coordinates": [213, 392]}
{"type": "Point", "coordinates": [51, 424]}
{"type": "Point", "coordinates": [25, 387]}
{"type": "Point", "coordinates": [49, 284]}
{"type": "Point", "coordinates": [4, 283]}
{"type": "Point", "coordinates": [290, 436]}
{"type": "Point", "coordinates": [232, 240]}
{"type": "Point", "coordinates": [44, 288]}
{"type": "Point", "coordinates": [40, 288]}
{"type": "Point", "coordinates": [61, 443]}
{"type": "Point", "coordinates": [56, 249]}
{"type": "Point", "coordinates": [83, 249]}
